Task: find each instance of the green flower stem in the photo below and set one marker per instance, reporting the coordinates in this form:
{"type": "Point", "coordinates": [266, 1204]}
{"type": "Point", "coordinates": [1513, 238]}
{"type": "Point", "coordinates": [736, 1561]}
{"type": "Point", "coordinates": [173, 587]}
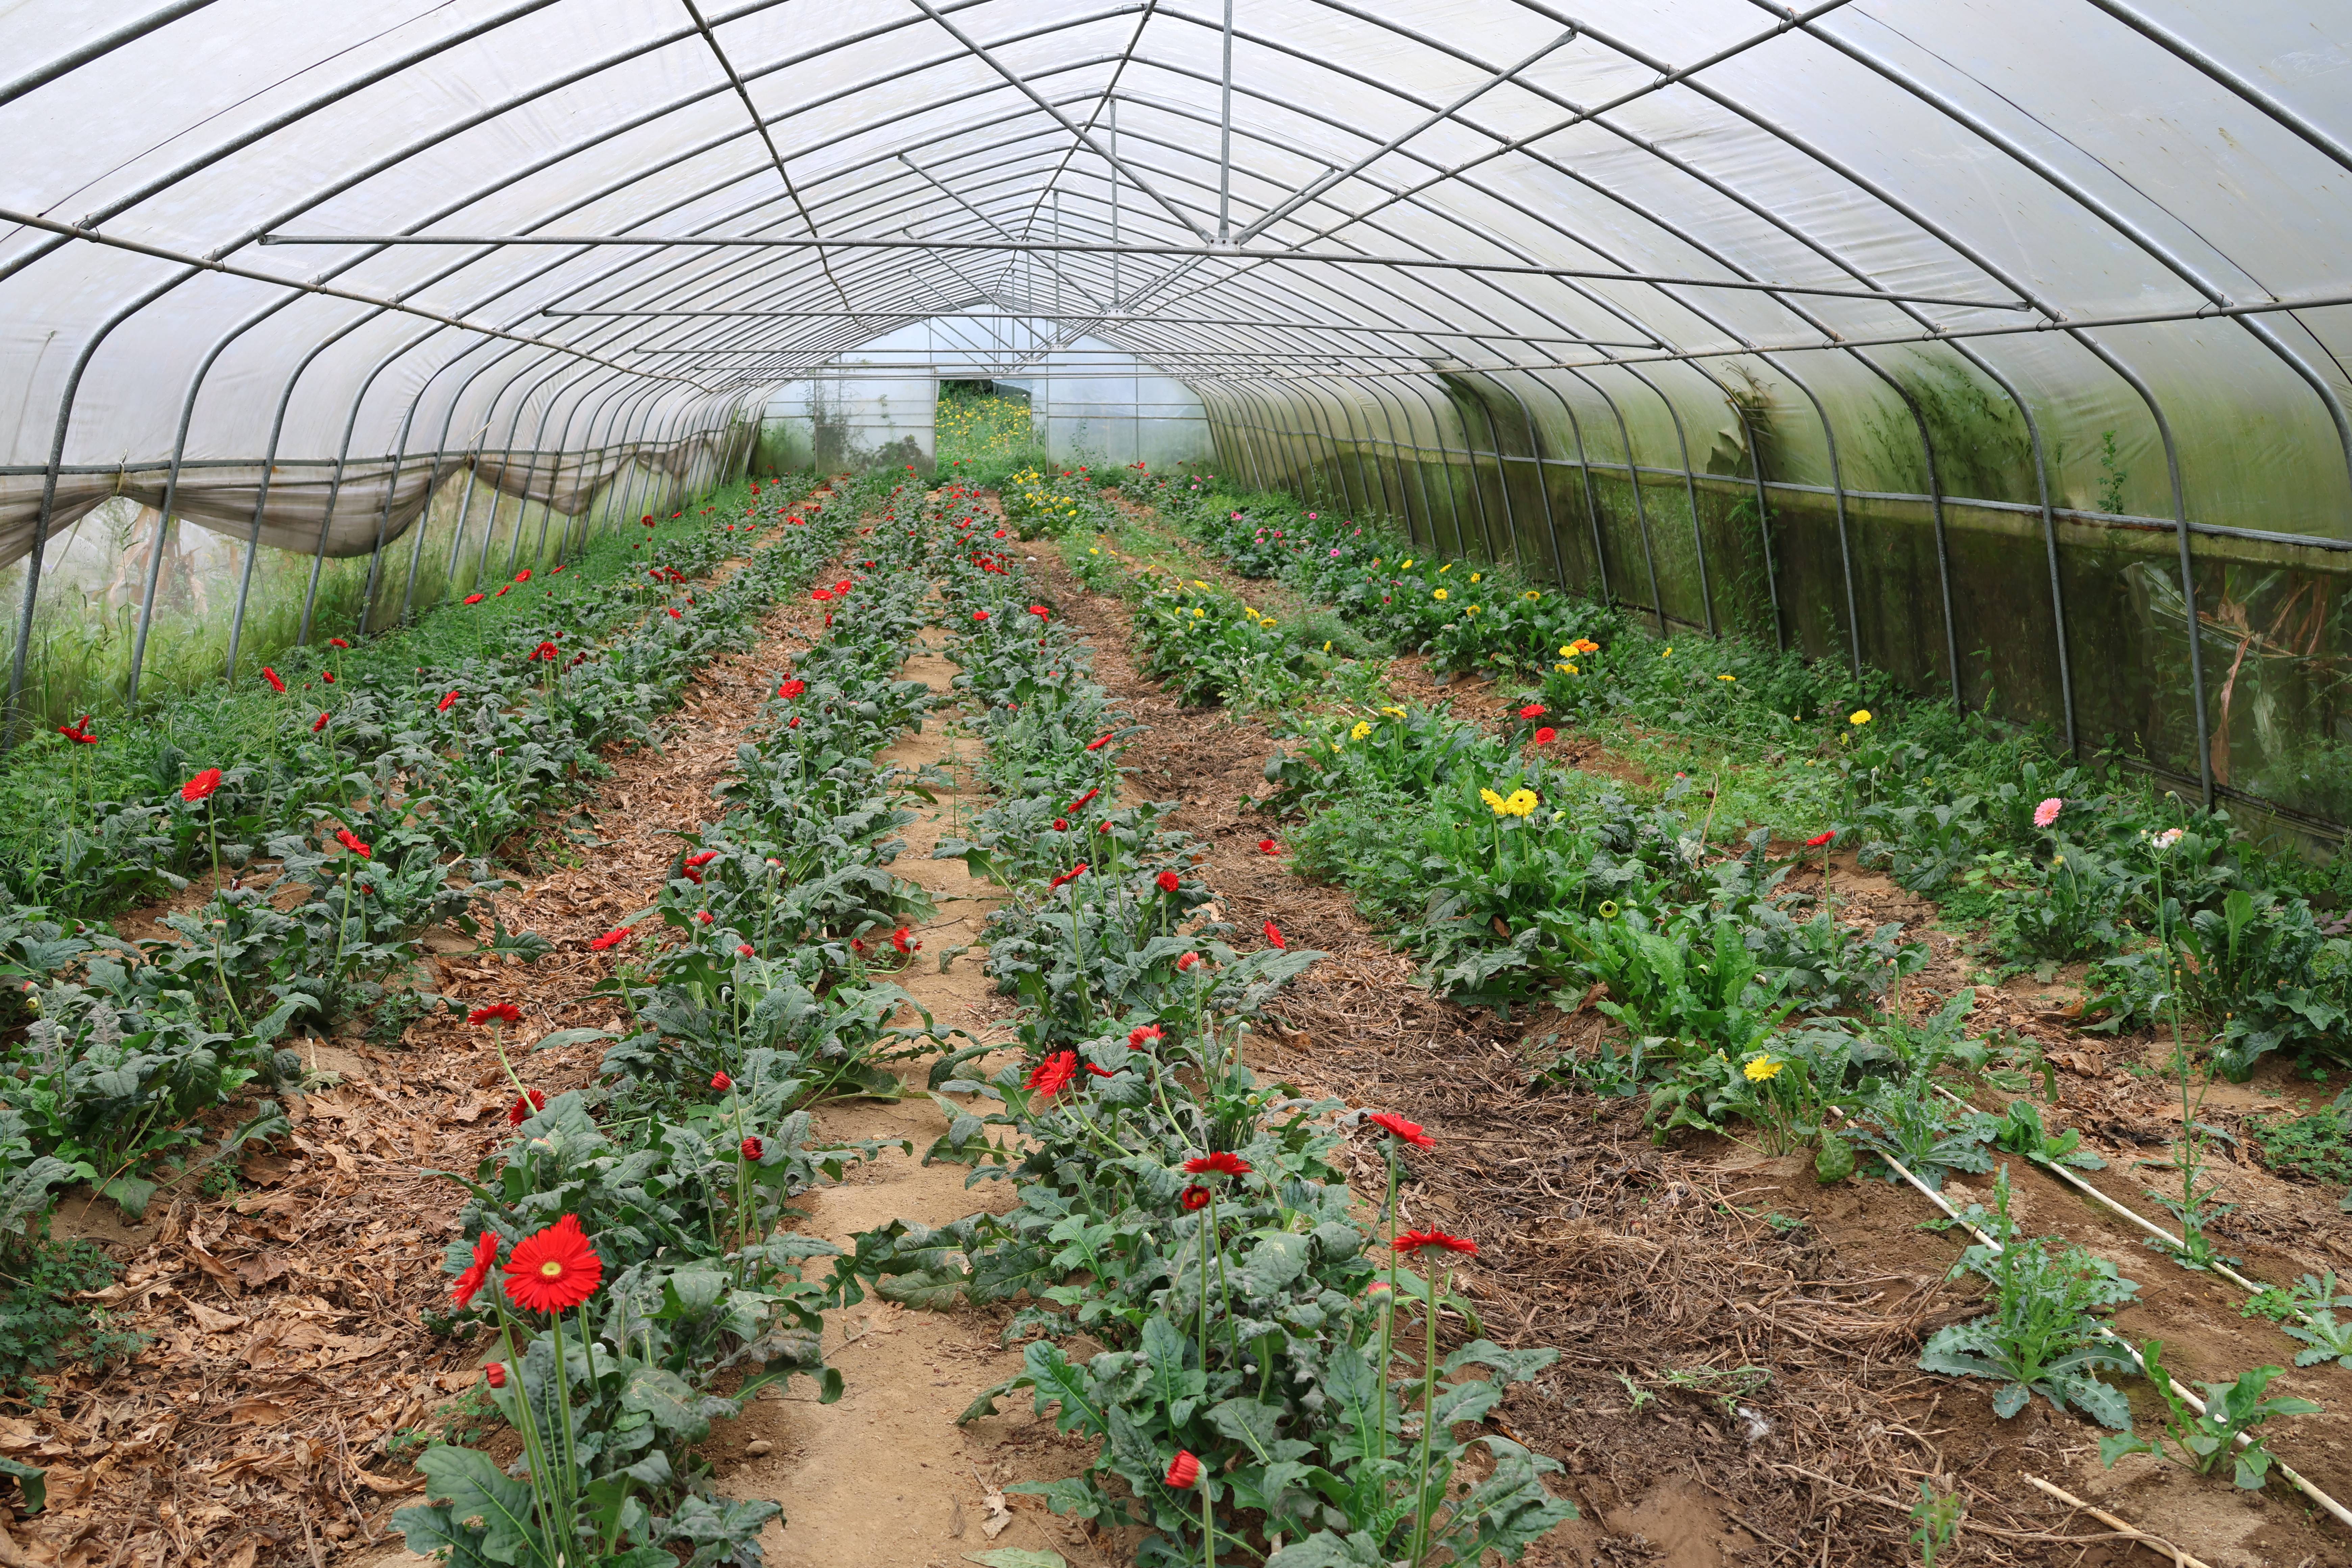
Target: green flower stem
{"type": "Point", "coordinates": [1424, 1509]}
{"type": "Point", "coordinates": [570, 1444]}
{"type": "Point", "coordinates": [1388, 1315]}
{"type": "Point", "coordinates": [533, 1441]}
{"type": "Point", "coordinates": [1225, 1289]}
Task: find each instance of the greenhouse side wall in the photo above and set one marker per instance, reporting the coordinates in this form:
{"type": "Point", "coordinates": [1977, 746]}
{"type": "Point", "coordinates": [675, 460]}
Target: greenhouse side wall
{"type": "Point", "coordinates": [94, 589]}
{"type": "Point", "coordinates": [1868, 576]}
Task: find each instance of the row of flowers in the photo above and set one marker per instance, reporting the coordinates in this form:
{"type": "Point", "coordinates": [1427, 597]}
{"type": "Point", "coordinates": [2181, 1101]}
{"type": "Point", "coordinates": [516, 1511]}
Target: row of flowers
{"type": "Point", "coordinates": [624, 1257]}
{"type": "Point", "coordinates": [332, 846]}
{"type": "Point", "coordinates": [1258, 1387]}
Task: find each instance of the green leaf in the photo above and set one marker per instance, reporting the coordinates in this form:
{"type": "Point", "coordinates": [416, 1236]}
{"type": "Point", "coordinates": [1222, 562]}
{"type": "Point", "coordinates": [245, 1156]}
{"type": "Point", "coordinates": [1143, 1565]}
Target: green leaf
{"type": "Point", "coordinates": [1248, 1421]}
{"type": "Point", "coordinates": [1833, 1161]}
{"type": "Point", "coordinates": [33, 1479]}
{"type": "Point", "coordinates": [562, 1037]}
{"type": "Point", "coordinates": [1275, 1262]}
{"type": "Point", "coordinates": [471, 1483]}
{"type": "Point", "coordinates": [1017, 1557]}
{"type": "Point", "coordinates": [665, 1396]}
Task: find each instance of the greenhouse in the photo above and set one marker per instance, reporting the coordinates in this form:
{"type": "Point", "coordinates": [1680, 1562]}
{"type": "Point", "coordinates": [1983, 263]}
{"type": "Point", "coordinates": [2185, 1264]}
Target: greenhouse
{"type": "Point", "coordinates": [1320, 784]}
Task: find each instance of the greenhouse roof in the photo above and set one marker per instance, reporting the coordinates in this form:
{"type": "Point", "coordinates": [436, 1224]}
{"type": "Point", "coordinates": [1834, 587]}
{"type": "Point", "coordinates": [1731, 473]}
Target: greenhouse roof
{"type": "Point", "coordinates": [2092, 200]}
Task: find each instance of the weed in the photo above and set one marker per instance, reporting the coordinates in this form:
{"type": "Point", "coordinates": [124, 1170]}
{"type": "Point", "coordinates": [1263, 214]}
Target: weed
{"type": "Point", "coordinates": [1937, 1516]}
{"type": "Point", "coordinates": [43, 1323]}
{"type": "Point", "coordinates": [2042, 1336]}
{"type": "Point", "coordinates": [2314, 1147]}
{"type": "Point", "coordinates": [2225, 1430]}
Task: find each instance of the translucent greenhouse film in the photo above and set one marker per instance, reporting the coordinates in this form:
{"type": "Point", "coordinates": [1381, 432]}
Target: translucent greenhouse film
{"type": "Point", "coordinates": [1722, 510]}
{"type": "Point", "coordinates": [2012, 368]}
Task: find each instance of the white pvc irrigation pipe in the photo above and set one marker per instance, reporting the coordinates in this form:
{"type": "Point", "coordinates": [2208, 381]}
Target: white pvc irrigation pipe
{"type": "Point", "coordinates": [2341, 1515]}
{"type": "Point", "coordinates": [2154, 1229]}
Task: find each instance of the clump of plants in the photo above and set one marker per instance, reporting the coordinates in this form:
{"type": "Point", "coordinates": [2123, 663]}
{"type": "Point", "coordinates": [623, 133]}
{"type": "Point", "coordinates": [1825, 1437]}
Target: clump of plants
{"type": "Point", "coordinates": [2044, 1334]}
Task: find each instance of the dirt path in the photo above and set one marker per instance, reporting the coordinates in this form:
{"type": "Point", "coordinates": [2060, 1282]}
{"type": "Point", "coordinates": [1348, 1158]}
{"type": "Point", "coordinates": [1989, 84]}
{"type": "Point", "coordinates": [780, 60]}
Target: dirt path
{"type": "Point", "coordinates": [884, 1477]}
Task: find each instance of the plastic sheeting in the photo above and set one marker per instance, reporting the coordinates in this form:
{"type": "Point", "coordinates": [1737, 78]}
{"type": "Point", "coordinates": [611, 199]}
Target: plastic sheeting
{"type": "Point", "coordinates": [1875, 259]}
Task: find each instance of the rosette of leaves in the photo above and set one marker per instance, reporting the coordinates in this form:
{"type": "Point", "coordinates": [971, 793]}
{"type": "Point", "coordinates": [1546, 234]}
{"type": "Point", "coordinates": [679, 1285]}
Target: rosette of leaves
{"type": "Point", "coordinates": [2043, 1335]}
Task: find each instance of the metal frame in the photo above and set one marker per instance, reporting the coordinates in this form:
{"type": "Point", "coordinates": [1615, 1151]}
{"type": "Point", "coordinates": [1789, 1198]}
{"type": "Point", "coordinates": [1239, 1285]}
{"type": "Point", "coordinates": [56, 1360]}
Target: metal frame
{"type": "Point", "coordinates": [1256, 376]}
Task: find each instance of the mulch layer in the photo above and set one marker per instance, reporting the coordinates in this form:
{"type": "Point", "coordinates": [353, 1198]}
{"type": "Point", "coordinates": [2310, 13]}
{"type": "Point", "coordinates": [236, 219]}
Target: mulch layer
{"type": "Point", "coordinates": [291, 1372]}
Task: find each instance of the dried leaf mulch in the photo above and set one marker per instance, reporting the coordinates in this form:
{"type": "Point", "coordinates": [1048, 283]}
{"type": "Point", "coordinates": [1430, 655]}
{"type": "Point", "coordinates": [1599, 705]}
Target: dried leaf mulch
{"type": "Point", "coordinates": [292, 1370]}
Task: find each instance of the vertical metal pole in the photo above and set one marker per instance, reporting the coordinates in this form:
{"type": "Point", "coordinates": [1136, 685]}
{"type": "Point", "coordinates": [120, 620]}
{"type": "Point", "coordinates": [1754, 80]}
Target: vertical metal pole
{"type": "Point", "coordinates": [334, 492]}
{"type": "Point", "coordinates": [261, 504]}
{"type": "Point", "coordinates": [1225, 139]}
{"type": "Point", "coordinates": [49, 501]}
{"type": "Point", "coordinates": [1365, 445]}
{"type": "Point", "coordinates": [1470, 469]}
{"type": "Point", "coordinates": [465, 510]}
{"type": "Point", "coordinates": [1584, 468]}
{"type": "Point", "coordinates": [1690, 491]}
{"type": "Point", "coordinates": [1113, 110]}
{"type": "Point", "coordinates": [1640, 517]}
{"type": "Point", "coordinates": [1419, 474]}
{"type": "Point", "coordinates": [1936, 509]}
{"type": "Point", "coordinates": [170, 503]}
{"type": "Point", "coordinates": [1502, 480]}
{"type": "Point", "coordinates": [1445, 459]}
{"type": "Point", "coordinates": [1763, 525]}
{"type": "Point", "coordinates": [1543, 485]}
{"type": "Point", "coordinates": [384, 518]}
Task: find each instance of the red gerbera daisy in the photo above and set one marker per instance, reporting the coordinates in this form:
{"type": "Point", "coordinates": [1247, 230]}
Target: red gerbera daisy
{"type": "Point", "coordinates": [1414, 1240]}
{"type": "Point", "coordinates": [610, 940]}
{"type": "Point", "coordinates": [1099, 742]}
{"type": "Point", "coordinates": [1149, 1035]}
{"type": "Point", "coordinates": [1410, 1132]}
{"type": "Point", "coordinates": [1275, 936]}
{"type": "Point", "coordinates": [271, 675]}
{"type": "Point", "coordinates": [496, 1013]}
{"type": "Point", "coordinates": [1818, 839]}
{"type": "Point", "coordinates": [1268, 847]}
{"type": "Point", "coordinates": [1185, 963]}
{"type": "Point", "coordinates": [1222, 1162]}
{"type": "Point", "coordinates": [1183, 1471]}
{"type": "Point", "coordinates": [351, 841]}
{"type": "Point", "coordinates": [445, 703]}
{"type": "Point", "coordinates": [528, 1104]}
{"type": "Point", "coordinates": [1546, 735]}
{"type": "Point", "coordinates": [750, 1149]}
{"type": "Point", "coordinates": [475, 598]}
{"type": "Point", "coordinates": [792, 688]}
{"type": "Point", "coordinates": [494, 1374]}
{"type": "Point", "coordinates": [1193, 1197]}
{"type": "Point", "coordinates": [555, 1269]}
{"type": "Point", "coordinates": [202, 786]}
{"type": "Point", "coordinates": [721, 1082]}
{"type": "Point", "coordinates": [1169, 881]}
{"type": "Point", "coordinates": [1052, 1075]}
{"type": "Point", "coordinates": [486, 1254]}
